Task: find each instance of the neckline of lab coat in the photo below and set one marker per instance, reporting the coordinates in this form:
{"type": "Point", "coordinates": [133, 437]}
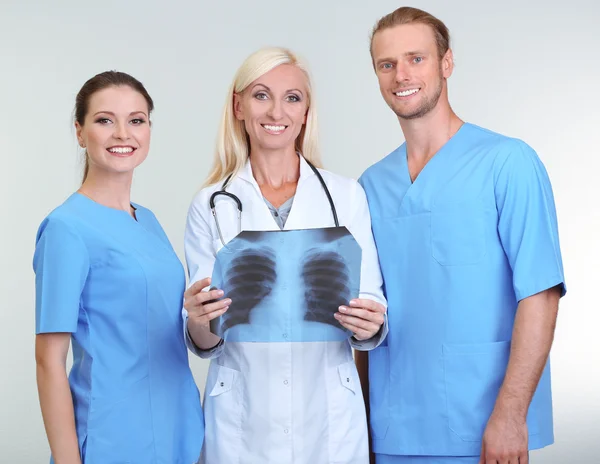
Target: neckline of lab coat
{"type": "Point", "coordinates": [247, 175]}
{"type": "Point", "coordinates": [292, 222]}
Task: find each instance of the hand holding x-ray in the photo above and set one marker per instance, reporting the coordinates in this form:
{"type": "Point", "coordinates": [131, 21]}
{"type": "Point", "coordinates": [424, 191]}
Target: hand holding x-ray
{"type": "Point", "coordinates": [203, 306]}
{"type": "Point", "coordinates": [363, 317]}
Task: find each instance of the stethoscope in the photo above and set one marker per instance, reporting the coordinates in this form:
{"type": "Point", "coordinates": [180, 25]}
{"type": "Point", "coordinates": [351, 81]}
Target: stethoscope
{"type": "Point", "coordinates": [239, 203]}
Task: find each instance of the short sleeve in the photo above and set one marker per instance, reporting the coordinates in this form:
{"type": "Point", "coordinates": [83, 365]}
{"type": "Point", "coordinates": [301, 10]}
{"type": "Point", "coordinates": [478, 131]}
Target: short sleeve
{"type": "Point", "coordinates": [61, 265]}
{"type": "Point", "coordinates": [527, 224]}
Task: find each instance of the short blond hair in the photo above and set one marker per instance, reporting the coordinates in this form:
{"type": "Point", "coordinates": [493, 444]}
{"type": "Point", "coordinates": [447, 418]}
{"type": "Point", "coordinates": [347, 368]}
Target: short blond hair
{"type": "Point", "coordinates": [409, 15]}
{"type": "Point", "coordinates": [233, 144]}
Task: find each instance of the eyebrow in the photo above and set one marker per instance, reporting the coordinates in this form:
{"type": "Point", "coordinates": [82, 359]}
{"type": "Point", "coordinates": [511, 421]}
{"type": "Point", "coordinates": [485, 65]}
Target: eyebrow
{"type": "Point", "coordinates": [113, 114]}
{"type": "Point", "coordinates": [407, 54]}
{"type": "Point", "coordinates": [289, 90]}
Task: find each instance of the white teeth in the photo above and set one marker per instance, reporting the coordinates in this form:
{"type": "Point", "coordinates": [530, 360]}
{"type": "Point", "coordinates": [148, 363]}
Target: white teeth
{"type": "Point", "coordinates": [406, 93]}
{"type": "Point", "coordinates": [273, 128]}
{"type": "Point", "coordinates": [120, 150]}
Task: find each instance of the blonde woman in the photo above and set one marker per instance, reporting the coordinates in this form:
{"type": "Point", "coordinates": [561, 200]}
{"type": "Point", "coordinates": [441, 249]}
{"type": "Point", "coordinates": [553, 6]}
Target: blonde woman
{"type": "Point", "coordinates": [280, 233]}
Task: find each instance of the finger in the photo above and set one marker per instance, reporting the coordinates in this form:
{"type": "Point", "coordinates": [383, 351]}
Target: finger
{"type": "Point", "coordinates": [524, 458]}
{"type": "Point", "coordinates": [208, 297]}
{"type": "Point", "coordinates": [357, 322]}
{"type": "Point", "coordinates": [213, 315]}
{"type": "Point", "coordinates": [365, 314]}
{"type": "Point", "coordinates": [197, 286]}
{"type": "Point", "coordinates": [194, 302]}
{"type": "Point", "coordinates": [490, 457]}
{"type": "Point", "coordinates": [368, 304]}
{"type": "Point", "coordinates": [216, 306]}
{"type": "Point", "coordinates": [360, 334]}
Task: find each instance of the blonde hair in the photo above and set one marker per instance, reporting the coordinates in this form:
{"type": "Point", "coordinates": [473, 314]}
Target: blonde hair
{"type": "Point", "coordinates": [233, 144]}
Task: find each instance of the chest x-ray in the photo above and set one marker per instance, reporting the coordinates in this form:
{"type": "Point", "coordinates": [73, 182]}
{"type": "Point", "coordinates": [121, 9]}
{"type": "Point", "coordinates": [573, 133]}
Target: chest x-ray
{"type": "Point", "coordinates": [286, 286]}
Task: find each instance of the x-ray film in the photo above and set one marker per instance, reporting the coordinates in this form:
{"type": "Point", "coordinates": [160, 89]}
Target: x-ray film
{"type": "Point", "coordinates": [286, 286]}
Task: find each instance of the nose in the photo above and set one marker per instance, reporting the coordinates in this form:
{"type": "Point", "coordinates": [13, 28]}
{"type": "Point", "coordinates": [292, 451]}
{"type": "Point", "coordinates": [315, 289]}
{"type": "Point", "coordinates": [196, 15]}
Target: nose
{"type": "Point", "coordinates": [275, 111]}
{"type": "Point", "coordinates": [121, 131]}
{"type": "Point", "coordinates": [401, 72]}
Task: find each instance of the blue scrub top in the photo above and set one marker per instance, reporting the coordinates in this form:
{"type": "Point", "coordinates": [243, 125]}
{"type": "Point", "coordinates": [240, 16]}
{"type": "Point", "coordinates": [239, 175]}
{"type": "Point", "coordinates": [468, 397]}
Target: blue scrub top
{"type": "Point", "coordinates": [117, 285]}
{"type": "Point", "coordinates": [459, 248]}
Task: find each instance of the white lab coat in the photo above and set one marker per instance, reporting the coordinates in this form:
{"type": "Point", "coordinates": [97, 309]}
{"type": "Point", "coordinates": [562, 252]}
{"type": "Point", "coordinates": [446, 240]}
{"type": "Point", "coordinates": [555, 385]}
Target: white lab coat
{"type": "Point", "coordinates": [283, 403]}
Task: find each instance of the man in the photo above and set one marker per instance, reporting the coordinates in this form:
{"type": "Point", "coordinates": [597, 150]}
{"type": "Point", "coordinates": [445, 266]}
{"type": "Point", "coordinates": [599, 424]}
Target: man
{"type": "Point", "coordinates": [465, 224]}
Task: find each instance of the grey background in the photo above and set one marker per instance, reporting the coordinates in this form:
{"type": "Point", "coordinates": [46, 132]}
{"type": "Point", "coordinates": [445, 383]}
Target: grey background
{"type": "Point", "coordinates": [529, 69]}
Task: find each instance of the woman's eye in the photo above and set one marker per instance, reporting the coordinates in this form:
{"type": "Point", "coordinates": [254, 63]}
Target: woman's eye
{"type": "Point", "coordinates": [261, 96]}
{"type": "Point", "coordinates": [293, 98]}
{"type": "Point", "coordinates": [418, 59]}
{"type": "Point", "coordinates": [138, 121]}
{"type": "Point", "coordinates": [103, 120]}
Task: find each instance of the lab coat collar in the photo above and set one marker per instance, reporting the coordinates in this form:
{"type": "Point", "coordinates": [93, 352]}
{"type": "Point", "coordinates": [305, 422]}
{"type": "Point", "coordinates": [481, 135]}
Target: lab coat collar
{"type": "Point", "coordinates": [246, 172]}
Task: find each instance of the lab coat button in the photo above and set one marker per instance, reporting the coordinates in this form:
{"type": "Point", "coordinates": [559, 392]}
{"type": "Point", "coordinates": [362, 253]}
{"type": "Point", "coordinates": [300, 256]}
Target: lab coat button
{"type": "Point", "coordinates": [286, 431]}
{"type": "Point", "coordinates": [222, 384]}
{"type": "Point", "coordinates": [285, 382]}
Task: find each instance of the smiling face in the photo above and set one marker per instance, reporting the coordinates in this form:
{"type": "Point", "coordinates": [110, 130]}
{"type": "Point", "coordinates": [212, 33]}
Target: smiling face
{"type": "Point", "coordinates": [274, 108]}
{"type": "Point", "coordinates": [116, 130]}
{"type": "Point", "coordinates": [411, 75]}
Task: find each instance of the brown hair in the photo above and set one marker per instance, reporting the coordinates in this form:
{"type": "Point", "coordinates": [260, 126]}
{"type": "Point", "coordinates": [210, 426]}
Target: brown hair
{"type": "Point", "coordinates": [100, 82]}
{"type": "Point", "coordinates": [409, 15]}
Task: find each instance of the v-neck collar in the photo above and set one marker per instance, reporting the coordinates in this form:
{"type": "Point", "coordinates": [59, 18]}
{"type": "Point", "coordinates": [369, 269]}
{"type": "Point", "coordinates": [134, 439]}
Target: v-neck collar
{"type": "Point", "coordinates": [434, 159]}
{"type": "Point", "coordinates": [440, 162]}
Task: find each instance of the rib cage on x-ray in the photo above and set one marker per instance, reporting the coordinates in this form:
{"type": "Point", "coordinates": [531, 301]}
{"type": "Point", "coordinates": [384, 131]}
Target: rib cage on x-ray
{"type": "Point", "coordinates": [286, 285]}
{"type": "Point", "coordinates": [326, 285]}
{"type": "Point", "coordinates": [251, 277]}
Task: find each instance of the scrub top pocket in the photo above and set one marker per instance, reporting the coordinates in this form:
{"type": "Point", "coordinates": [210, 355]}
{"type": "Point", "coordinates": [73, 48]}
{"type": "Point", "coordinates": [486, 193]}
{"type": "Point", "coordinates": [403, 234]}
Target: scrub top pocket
{"type": "Point", "coordinates": [458, 234]}
{"type": "Point", "coordinates": [223, 410]}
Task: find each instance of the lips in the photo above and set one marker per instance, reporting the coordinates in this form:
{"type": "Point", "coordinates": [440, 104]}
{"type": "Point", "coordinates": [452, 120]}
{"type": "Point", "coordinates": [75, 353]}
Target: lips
{"type": "Point", "coordinates": [121, 150]}
{"type": "Point", "coordinates": [407, 92]}
{"type": "Point", "coordinates": [274, 129]}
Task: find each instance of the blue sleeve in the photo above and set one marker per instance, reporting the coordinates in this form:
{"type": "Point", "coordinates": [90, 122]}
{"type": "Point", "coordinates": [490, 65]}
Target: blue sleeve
{"type": "Point", "coordinates": [527, 223]}
{"type": "Point", "coordinates": [61, 265]}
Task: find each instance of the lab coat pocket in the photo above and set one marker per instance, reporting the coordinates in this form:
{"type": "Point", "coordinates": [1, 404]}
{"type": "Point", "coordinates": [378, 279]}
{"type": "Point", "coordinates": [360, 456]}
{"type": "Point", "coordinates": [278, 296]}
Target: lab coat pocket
{"type": "Point", "coordinates": [379, 391]}
{"type": "Point", "coordinates": [458, 234]}
{"type": "Point", "coordinates": [473, 376]}
{"type": "Point", "coordinates": [348, 435]}
{"type": "Point", "coordinates": [346, 374]}
{"type": "Point", "coordinates": [222, 414]}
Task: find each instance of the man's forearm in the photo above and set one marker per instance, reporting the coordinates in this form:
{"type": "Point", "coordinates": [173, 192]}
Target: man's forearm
{"type": "Point", "coordinates": [533, 334]}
